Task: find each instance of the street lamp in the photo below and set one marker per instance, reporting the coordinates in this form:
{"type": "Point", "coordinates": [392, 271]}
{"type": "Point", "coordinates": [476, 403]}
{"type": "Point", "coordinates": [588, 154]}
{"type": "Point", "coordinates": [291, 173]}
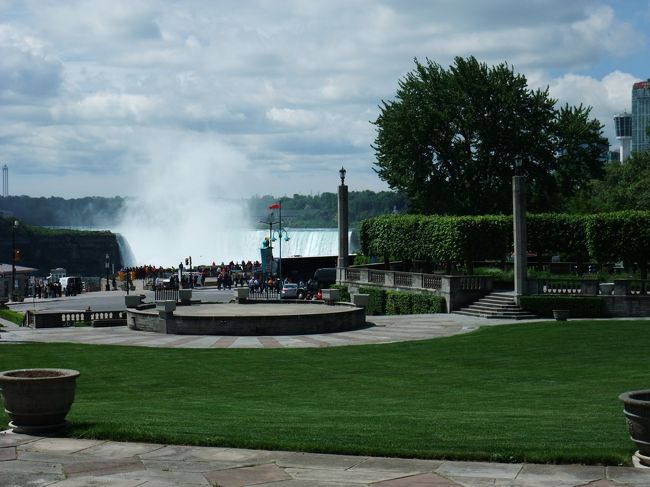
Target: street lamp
{"type": "Point", "coordinates": [13, 258]}
{"type": "Point", "coordinates": [519, 229]}
{"type": "Point", "coordinates": [108, 287]}
{"type": "Point", "coordinates": [343, 221]}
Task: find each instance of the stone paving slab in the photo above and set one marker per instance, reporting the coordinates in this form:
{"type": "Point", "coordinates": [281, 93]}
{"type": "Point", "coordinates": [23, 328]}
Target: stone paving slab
{"type": "Point", "coordinates": [240, 477]}
{"type": "Point", "coordinates": [65, 462]}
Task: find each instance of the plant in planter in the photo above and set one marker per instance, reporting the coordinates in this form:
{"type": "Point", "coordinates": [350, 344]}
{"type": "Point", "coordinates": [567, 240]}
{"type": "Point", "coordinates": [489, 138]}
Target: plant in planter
{"type": "Point", "coordinates": [636, 405]}
{"type": "Point", "coordinates": [38, 400]}
{"type": "Point", "coordinates": [561, 314]}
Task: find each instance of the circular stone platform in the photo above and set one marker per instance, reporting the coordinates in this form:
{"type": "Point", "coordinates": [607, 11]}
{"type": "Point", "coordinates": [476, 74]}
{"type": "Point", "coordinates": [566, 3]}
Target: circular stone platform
{"type": "Point", "coordinates": [251, 319]}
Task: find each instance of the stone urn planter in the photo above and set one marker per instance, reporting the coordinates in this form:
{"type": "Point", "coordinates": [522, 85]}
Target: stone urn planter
{"type": "Point", "coordinates": [38, 400]}
{"type": "Point", "coordinates": [561, 314]}
{"type": "Point", "coordinates": [636, 406]}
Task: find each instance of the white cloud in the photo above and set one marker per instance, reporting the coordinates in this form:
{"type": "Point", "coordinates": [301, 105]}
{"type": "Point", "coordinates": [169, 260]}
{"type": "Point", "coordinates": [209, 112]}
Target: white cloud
{"type": "Point", "coordinates": [608, 96]}
{"type": "Point", "coordinates": [290, 87]}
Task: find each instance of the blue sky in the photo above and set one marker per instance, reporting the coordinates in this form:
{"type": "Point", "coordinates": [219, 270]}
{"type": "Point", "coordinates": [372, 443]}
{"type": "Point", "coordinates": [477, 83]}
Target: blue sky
{"type": "Point", "coordinates": [232, 98]}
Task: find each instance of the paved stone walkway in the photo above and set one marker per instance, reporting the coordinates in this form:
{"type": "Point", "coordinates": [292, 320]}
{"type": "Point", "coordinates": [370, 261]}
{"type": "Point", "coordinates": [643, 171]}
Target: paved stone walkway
{"type": "Point", "coordinates": [384, 329]}
{"type": "Point", "coordinates": [61, 462]}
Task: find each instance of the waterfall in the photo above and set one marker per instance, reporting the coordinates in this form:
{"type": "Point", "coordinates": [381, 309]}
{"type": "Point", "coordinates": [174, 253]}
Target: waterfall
{"type": "Point", "coordinates": [126, 254]}
{"type": "Point", "coordinates": [240, 245]}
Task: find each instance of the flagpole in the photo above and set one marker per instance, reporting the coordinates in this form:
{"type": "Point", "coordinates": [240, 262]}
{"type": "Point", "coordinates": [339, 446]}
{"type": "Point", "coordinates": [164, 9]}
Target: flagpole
{"type": "Point", "coordinates": [280, 266]}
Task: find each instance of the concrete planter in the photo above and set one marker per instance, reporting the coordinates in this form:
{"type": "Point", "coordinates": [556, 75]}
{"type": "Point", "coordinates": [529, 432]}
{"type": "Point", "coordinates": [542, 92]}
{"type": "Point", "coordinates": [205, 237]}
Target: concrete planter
{"type": "Point", "coordinates": [242, 292]}
{"type": "Point", "coordinates": [636, 405]}
{"type": "Point", "coordinates": [561, 314]}
{"type": "Point", "coordinates": [360, 300]}
{"type": "Point", "coordinates": [606, 288]}
{"type": "Point", "coordinates": [185, 295]}
{"type": "Point", "coordinates": [166, 306]}
{"type": "Point", "coordinates": [132, 300]}
{"type": "Point", "coordinates": [38, 400]}
{"type": "Point", "coordinates": [331, 295]}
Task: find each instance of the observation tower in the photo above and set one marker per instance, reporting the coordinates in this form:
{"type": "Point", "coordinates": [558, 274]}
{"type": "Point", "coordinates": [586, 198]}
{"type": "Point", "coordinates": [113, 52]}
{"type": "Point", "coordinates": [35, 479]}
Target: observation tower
{"type": "Point", "coordinates": [623, 125]}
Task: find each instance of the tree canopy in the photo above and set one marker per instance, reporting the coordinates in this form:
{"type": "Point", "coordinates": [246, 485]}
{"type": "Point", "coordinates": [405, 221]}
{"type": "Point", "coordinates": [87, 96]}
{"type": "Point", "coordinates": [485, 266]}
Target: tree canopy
{"type": "Point", "coordinates": [450, 139]}
{"type": "Point", "coordinates": [623, 187]}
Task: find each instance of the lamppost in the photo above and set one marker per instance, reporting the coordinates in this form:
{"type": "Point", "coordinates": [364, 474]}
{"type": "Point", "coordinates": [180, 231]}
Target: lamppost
{"type": "Point", "coordinates": [343, 221]}
{"type": "Point", "coordinates": [188, 261]}
{"type": "Point", "coordinates": [519, 229]}
{"type": "Point", "coordinates": [270, 222]}
{"type": "Point", "coordinates": [108, 286]}
{"type": "Point", "coordinates": [281, 233]}
{"type": "Point", "coordinates": [13, 258]}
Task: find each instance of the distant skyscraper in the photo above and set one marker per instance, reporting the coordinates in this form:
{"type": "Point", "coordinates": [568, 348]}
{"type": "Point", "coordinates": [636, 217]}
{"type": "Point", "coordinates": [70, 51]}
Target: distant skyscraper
{"type": "Point", "coordinates": [623, 125]}
{"type": "Point", "coordinates": [640, 116]}
{"type": "Point", "coordinates": [5, 181]}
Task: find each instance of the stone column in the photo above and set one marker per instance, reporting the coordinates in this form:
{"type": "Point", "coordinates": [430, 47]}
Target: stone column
{"type": "Point", "coordinates": [519, 228]}
{"type": "Point", "coordinates": [343, 225]}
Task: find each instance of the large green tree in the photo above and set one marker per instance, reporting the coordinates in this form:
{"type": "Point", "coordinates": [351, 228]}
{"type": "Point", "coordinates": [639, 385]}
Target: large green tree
{"type": "Point", "coordinates": [451, 137]}
{"type": "Point", "coordinates": [624, 187]}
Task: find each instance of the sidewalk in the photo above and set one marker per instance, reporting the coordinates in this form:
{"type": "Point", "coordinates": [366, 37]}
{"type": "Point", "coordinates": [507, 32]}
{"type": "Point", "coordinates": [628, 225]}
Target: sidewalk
{"type": "Point", "coordinates": [61, 462]}
{"type": "Point", "coordinates": [386, 329]}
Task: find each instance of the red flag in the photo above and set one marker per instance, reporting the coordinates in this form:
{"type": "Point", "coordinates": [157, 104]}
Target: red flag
{"type": "Point", "coordinates": [274, 206]}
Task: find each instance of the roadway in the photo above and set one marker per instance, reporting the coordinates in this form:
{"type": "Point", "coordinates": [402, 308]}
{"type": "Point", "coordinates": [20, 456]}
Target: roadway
{"type": "Point", "coordinates": [111, 300]}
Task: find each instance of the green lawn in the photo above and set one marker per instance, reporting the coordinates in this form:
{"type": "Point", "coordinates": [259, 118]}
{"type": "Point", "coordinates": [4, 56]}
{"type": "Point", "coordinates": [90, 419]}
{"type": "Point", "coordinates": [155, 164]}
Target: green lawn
{"type": "Point", "coordinates": [543, 392]}
{"type": "Point", "coordinates": [11, 315]}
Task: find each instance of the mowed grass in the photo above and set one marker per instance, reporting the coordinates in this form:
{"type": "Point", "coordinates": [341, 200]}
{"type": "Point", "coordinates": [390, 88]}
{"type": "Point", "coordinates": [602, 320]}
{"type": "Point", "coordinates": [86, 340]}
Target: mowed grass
{"type": "Point", "coordinates": [543, 392]}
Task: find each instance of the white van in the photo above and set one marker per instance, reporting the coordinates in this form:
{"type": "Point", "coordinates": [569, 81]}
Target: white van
{"type": "Point", "coordinates": [70, 285]}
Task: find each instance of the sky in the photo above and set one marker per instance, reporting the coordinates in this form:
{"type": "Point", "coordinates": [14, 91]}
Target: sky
{"type": "Point", "coordinates": [224, 99]}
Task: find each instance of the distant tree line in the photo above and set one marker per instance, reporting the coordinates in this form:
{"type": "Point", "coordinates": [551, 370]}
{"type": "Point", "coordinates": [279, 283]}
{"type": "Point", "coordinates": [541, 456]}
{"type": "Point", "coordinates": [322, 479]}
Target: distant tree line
{"type": "Point", "coordinates": [300, 211]}
{"type": "Point", "coordinates": [320, 211]}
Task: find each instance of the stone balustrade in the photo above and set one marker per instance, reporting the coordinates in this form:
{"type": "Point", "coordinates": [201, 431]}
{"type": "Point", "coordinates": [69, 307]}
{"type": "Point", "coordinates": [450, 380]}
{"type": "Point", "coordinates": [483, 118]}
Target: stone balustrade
{"type": "Point", "coordinates": [58, 319]}
{"type": "Point", "coordinates": [458, 291]}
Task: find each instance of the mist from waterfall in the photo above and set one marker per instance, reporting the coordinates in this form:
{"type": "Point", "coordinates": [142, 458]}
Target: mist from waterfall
{"type": "Point", "coordinates": [190, 201]}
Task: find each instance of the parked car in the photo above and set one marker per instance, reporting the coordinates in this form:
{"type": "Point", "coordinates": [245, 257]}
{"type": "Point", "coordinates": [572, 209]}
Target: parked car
{"type": "Point", "coordinates": [289, 291]}
{"type": "Point", "coordinates": [323, 278]}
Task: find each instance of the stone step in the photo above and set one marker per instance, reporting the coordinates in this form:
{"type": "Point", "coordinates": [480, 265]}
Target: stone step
{"type": "Point", "coordinates": [497, 300]}
{"type": "Point", "coordinates": [496, 305]}
{"type": "Point", "coordinates": [505, 309]}
{"type": "Point", "coordinates": [518, 316]}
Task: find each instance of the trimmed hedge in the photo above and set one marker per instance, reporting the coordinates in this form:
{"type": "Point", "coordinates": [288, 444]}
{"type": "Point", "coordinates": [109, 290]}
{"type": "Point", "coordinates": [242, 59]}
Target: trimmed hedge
{"type": "Point", "coordinates": [376, 300]}
{"type": "Point", "coordinates": [578, 306]}
{"type": "Point", "coordinates": [427, 303]}
{"type": "Point", "coordinates": [381, 301]}
{"type": "Point", "coordinates": [398, 303]}
{"type": "Point", "coordinates": [605, 237]}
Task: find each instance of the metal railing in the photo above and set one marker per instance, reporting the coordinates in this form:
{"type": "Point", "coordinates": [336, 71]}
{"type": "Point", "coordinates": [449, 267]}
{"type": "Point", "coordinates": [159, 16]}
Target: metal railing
{"type": "Point", "coordinates": [166, 295]}
{"type": "Point", "coordinates": [264, 294]}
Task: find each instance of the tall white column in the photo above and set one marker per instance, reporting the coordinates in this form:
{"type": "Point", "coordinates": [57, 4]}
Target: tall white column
{"type": "Point", "coordinates": [520, 240]}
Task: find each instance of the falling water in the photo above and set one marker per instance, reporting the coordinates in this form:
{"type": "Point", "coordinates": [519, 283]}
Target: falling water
{"type": "Point", "coordinates": [190, 202]}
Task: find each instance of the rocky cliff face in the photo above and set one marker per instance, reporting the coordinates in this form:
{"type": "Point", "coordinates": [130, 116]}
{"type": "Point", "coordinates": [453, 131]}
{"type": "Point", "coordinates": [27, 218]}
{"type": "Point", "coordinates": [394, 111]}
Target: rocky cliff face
{"type": "Point", "coordinates": [79, 252]}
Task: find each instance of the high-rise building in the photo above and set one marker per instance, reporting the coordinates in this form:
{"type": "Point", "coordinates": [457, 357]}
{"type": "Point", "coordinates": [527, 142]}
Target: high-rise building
{"type": "Point", "coordinates": [640, 116]}
{"type": "Point", "coordinates": [623, 126]}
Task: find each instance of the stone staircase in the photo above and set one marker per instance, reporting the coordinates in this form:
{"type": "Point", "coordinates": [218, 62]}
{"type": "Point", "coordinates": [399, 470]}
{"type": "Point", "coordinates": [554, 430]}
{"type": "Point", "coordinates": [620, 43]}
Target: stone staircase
{"type": "Point", "coordinates": [497, 305]}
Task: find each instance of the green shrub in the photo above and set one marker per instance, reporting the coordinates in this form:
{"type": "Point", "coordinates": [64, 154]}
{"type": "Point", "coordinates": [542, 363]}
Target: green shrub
{"type": "Point", "coordinates": [578, 306]}
{"type": "Point", "coordinates": [398, 303]}
{"type": "Point", "coordinates": [427, 303]}
{"type": "Point", "coordinates": [361, 259]}
{"type": "Point", "coordinates": [376, 300]}
{"type": "Point", "coordinates": [345, 294]}
{"type": "Point", "coordinates": [402, 303]}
